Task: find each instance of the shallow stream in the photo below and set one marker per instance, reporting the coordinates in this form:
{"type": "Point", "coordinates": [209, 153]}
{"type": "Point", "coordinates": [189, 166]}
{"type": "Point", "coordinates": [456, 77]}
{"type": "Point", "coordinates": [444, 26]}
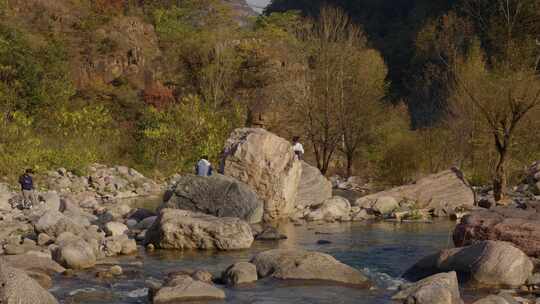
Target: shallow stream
{"type": "Point", "coordinates": [382, 250]}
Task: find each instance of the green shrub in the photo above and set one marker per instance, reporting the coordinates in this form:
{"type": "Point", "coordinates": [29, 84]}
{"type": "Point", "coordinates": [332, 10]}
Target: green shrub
{"type": "Point", "coordinates": [174, 138]}
{"type": "Point", "coordinates": [19, 147]}
{"type": "Point", "coordinates": [400, 162]}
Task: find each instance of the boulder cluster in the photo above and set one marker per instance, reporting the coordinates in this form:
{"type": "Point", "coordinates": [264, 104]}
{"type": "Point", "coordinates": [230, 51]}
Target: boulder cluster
{"type": "Point", "coordinates": [498, 247]}
{"type": "Point", "coordinates": [297, 265]}
{"type": "Point", "coordinates": [81, 220]}
{"type": "Point", "coordinates": [77, 221]}
{"type": "Point", "coordinates": [488, 264]}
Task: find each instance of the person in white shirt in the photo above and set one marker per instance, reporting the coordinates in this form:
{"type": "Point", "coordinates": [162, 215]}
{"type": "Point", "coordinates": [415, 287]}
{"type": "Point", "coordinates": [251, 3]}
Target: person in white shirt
{"type": "Point", "coordinates": [204, 167]}
{"type": "Point", "coordinates": [298, 148]}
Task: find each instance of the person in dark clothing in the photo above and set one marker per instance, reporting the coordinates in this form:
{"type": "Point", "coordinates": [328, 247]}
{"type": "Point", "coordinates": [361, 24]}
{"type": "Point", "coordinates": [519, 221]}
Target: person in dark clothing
{"type": "Point", "coordinates": [27, 187]}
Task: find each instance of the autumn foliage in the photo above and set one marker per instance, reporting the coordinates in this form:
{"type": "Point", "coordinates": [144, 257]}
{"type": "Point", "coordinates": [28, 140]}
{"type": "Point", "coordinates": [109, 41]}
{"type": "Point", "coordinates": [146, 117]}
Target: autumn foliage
{"type": "Point", "coordinates": [158, 95]}
{"type": "Point", "coordinates": [109, 5]}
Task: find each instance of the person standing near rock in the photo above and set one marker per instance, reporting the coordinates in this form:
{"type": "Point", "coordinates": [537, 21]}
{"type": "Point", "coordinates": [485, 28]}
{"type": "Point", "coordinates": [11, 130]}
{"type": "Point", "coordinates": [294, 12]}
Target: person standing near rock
{"type": "Point", "coordinates": [204, 167]}
{"type": "Point", "coordinates": [298, 148]}
{"type": "Point", "coordinates": [27, 187]}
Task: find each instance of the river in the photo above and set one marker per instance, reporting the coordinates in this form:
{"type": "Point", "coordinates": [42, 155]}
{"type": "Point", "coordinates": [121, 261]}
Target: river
{"type": "Point", "coordinates": [382, 250]}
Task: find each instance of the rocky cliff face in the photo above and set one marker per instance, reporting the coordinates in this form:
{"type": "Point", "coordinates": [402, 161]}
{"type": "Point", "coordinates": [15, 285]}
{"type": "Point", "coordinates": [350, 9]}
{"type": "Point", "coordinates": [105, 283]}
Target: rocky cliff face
{"type": "Point", "coordinates": [104, 48]}
{"type": "Point", "coordinates": [241, 8]}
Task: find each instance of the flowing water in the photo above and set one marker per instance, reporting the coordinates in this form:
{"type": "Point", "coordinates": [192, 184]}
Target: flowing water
{"type": "Point", "coordinates": [382, 250]}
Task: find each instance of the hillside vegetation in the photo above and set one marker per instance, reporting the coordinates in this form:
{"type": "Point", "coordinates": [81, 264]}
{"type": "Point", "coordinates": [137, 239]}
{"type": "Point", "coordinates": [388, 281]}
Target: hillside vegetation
{"type": "Point", "coordinates": [388, 90]}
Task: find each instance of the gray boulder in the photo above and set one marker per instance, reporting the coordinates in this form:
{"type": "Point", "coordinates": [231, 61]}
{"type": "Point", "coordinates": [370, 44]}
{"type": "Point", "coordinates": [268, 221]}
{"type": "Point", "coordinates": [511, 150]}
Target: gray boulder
{"type": "Point", "coordinates": [332, 209]}
{"type": "Point", "coordinates": [16, 287]}
{"type": "Point", "coordinates": [488, 263]}
{"type": "Point", "coordinates": [217, 195]}
{"type": "Point", "coordinates": [269, 234]}
{"type": "Point", "coordinates": [182, 229]}
{"type": "Point", "coordinates": [54, 223]}
{"type": "Point", "coordinates": [15, 247]}
{"type": "Point", "coordinates": [115, 229]}
{"type": "Point", "coordinates": [306, 265]}
{"type": "Point", "coordinates": [266, 163]}
{"type": "Point", "coordinates": [51, 200]}
{"type": "Point", "coordinates": [441, 288]}
{"type": "Point", "coordinates": [518, 226]}
{"type": "Point", "coordinates": [385, 205]}
{"type": "Point", "coordinates": [75, 254]}
{"type": "Point", "coordinates": [120, 244]}
{"type": "Point", "coordinates": [444, 193]}
{"type": "Point", "coordinates": [140, 214]}
{"type": "Point", "coordinates": [183, 287]}
{"type": "Point", "coordinates": [146, 223]}
{"type": "Point", "coordinates": [32, 262]}
{"type": "Point", "coordinates": [240, 273]}
{"type": "Point", "coordinates": [497, 299]}
{"type": "Point", "coordinates": [314, 188]}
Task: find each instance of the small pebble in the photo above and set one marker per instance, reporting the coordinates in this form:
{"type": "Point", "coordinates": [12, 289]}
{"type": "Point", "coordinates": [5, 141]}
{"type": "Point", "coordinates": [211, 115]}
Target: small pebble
{"type": "Point", "coordinates": [150, 247]}
{"type": "Point", "coordinates": [116, 270]}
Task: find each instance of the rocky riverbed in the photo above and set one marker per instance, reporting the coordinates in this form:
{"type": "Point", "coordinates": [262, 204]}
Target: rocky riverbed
{"type": "Point", "coordinates": [381, 251]}
{"type": "Point", "coordinates": [271, 229]}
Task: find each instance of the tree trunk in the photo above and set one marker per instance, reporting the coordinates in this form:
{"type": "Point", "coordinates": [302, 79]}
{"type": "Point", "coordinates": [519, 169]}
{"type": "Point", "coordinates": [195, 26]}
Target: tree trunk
{"type": "Point", "coordinates": [349, 164]}
{"type": "Point", "coordinates": [499, 180]}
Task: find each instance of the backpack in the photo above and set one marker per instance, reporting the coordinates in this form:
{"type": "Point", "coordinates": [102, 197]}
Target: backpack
{"type": "Point", "coordinates": [26, 182]}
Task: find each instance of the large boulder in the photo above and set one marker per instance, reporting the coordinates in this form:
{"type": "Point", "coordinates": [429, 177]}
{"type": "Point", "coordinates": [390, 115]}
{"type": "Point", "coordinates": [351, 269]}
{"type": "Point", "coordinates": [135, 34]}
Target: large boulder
{"type": "Point", "coordinates": [120, 244]}
{"type": "Point", "coordinates": [487, 263]}
{"type": "Point", "coordinates": [115, 229]}
{"type": "Point", "coordinates": [146, 223]}
{"type": "Point", "coordinates": [314, 188]}
{"type": "Point", "coordinates": [32, 262]}
{"type": "Point", "coordinates": [497, 299]}
{"type": "Point", "coordinates": [305, 265]}
{"type": "Point", "coordinates": [333, 209]}
{"type": "Point", "coordinates": [75, 254]}
{"type": "Point", "coordinates": [443, 192]}
{"type": "Point", "coordinates": [120, 182]}
{"type": "Point", "coordinates": [51, 200]}
{"type": "Point", "coordinates": [240, 273]}
{"type": "Point", "coordinates": [217, 195]}
{"type": "Point", "coordinates": [16, 287]}
{"type": "Point", "coordinates": [441, 288]}
{"type": "Point", "coordinates": [182, 287]}
{"type": "Point", "coordinates": [182, 229]}
{"type": "Point", "coordinates": [385, 205]}
{"type": "Point", "coordinates": [54, 223]}
{"type": "Point", "coordinates": [267, 164]}
{"type": "Point", "coordinates": [520, 227]}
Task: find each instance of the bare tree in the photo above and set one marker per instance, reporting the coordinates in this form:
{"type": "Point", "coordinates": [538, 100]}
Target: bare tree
{"type": "Point", "coordinates": [321, 94]}
{"type": "Point", "coordinates": [342, 85]}
{"type": "Point", "coordinates": [503, 97]}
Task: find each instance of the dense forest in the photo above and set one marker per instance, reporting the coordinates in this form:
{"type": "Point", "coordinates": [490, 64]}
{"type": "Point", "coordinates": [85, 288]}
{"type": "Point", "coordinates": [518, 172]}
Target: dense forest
{"type": "Point", "coordinates": [388, 90]}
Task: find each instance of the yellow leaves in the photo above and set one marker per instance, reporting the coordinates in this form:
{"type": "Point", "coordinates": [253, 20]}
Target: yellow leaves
{"type": "Point", "coordinates": [83, 122]}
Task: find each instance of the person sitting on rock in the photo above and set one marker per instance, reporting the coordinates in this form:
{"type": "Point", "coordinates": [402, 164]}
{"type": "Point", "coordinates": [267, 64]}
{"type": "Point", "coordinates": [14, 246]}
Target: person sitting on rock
{"type": "Point", "coordinates": [204, 167]}
{"type": "Point", "coordinates": [27, 187]}
{"type": "Point", "coordinates": [298, 148]}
